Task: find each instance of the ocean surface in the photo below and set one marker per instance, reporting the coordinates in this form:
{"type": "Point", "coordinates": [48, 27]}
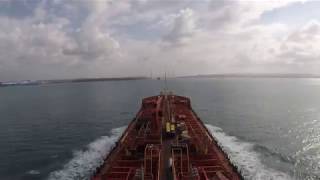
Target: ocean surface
{"type": "Point", "coordinates": [269, 127]}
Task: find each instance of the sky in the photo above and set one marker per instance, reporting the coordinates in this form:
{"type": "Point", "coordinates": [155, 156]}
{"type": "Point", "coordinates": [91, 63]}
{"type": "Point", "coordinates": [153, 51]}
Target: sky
{"type": "Point", "coordinates": [58, 39]}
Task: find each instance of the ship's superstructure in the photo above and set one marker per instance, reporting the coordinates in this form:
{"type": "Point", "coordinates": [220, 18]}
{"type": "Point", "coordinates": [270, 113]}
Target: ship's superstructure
{"type": "Point", "coordinates": [165, 141]}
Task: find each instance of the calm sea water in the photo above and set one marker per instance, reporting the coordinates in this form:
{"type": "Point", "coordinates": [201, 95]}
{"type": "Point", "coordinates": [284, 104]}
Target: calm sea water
{"type": "Point", "coordinates": [270, 128]}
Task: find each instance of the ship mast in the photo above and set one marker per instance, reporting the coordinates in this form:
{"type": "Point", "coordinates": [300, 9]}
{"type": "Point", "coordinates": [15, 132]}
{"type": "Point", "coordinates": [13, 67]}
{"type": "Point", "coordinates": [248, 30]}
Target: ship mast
{"type": "Point", "coordinates": [165, 82]}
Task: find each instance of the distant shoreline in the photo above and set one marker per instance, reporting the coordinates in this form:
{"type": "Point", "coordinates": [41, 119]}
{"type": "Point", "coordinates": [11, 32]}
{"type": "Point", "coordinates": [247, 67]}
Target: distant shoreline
{"type": "Point", "coordinates": [231, 75]}
{"type": "Point", "coordinates": [60, 81]}
{"type": "Point", "coordinates": [252, 76]}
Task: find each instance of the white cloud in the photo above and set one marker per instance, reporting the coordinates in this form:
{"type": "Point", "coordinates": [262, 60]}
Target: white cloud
{"type": "Point", "coordinates": [182, 26]}
{"type": "Point", "coordinates": [47, 41]}
{"type": "Point", "coordinates": [302, 46]}
{"type": "Point", "coordinates": [105, 38]}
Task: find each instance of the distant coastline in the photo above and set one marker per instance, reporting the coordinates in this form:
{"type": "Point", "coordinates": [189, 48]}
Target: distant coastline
{"type": "Point", "coordinates": [59, 81]}
{"type": "Point", "coordinates": [252, 75]}
{"type": "Point", "coordinates": [229, 75]}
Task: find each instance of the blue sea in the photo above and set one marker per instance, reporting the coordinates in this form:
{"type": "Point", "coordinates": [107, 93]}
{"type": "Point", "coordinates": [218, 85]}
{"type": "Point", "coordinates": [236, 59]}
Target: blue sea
{"type": "Point", "coordinates": [269, 127]}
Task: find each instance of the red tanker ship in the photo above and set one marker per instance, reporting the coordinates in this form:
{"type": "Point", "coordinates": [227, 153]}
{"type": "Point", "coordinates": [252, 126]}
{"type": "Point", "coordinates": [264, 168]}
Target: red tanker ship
{"type": "Point", "coordinates": [166, 141]}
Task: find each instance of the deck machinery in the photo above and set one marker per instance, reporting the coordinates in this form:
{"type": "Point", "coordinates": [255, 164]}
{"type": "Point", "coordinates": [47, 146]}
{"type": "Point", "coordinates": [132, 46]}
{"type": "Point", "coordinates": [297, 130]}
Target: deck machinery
{"type": "Point", "coordinates": [166, 141]}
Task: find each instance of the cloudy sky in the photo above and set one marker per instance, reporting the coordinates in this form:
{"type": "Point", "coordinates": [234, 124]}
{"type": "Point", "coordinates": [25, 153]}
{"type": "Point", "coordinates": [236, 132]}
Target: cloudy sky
{"type": "Point", "coordinates": [53, 39]}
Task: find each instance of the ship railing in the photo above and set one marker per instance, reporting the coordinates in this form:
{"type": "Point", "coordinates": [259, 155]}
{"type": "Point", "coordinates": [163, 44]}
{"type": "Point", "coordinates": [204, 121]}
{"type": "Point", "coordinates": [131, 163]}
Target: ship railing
{"type": "Point", "coordinates": [180, 153]}
{"type": "Point", "coordinates": [210, 142]}
{"type": "Point", "coordinates": [199, 132]}
{"type": "Point", "coordinates": [208, 138]}
{"type": "Point", "coordinates": [130, 173]}
{"type": "Point", "coordinates": [114, 149]}
{"type": "Point", "coordinates": [152, 151]}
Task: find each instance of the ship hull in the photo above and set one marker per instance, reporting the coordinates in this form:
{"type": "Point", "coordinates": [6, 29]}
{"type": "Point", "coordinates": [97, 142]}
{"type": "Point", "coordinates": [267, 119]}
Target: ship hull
{"type": "Point", "coordinates": [166, 140]}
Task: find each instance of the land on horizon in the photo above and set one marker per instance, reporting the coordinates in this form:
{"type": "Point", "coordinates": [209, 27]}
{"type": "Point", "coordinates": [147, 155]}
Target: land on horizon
{"type": "Point", "coordinates": [253, 75]}
{"type": "Point", "coordinates": [222, 75]}
{"type": "Point", "coordinates": [59, 81]}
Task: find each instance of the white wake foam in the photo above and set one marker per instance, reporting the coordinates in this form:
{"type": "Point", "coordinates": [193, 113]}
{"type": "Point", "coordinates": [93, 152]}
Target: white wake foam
{"type": "Point", "coordinates": [243, 156]}
{"type": "Point", "coordinates": [82, 165]}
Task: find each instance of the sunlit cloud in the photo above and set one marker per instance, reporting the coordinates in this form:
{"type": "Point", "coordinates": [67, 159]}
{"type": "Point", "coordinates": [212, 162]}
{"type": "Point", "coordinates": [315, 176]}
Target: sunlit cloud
{"type": "Point", "coordinates": [66, 39]}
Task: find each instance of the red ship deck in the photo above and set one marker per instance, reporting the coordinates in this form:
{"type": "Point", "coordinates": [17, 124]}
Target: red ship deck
{"type": "Point", "coordinates": [166, 140]}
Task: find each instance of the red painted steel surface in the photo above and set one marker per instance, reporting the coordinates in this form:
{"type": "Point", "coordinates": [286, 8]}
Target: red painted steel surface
{"type": "Point", "coordinates": [166, 140]}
